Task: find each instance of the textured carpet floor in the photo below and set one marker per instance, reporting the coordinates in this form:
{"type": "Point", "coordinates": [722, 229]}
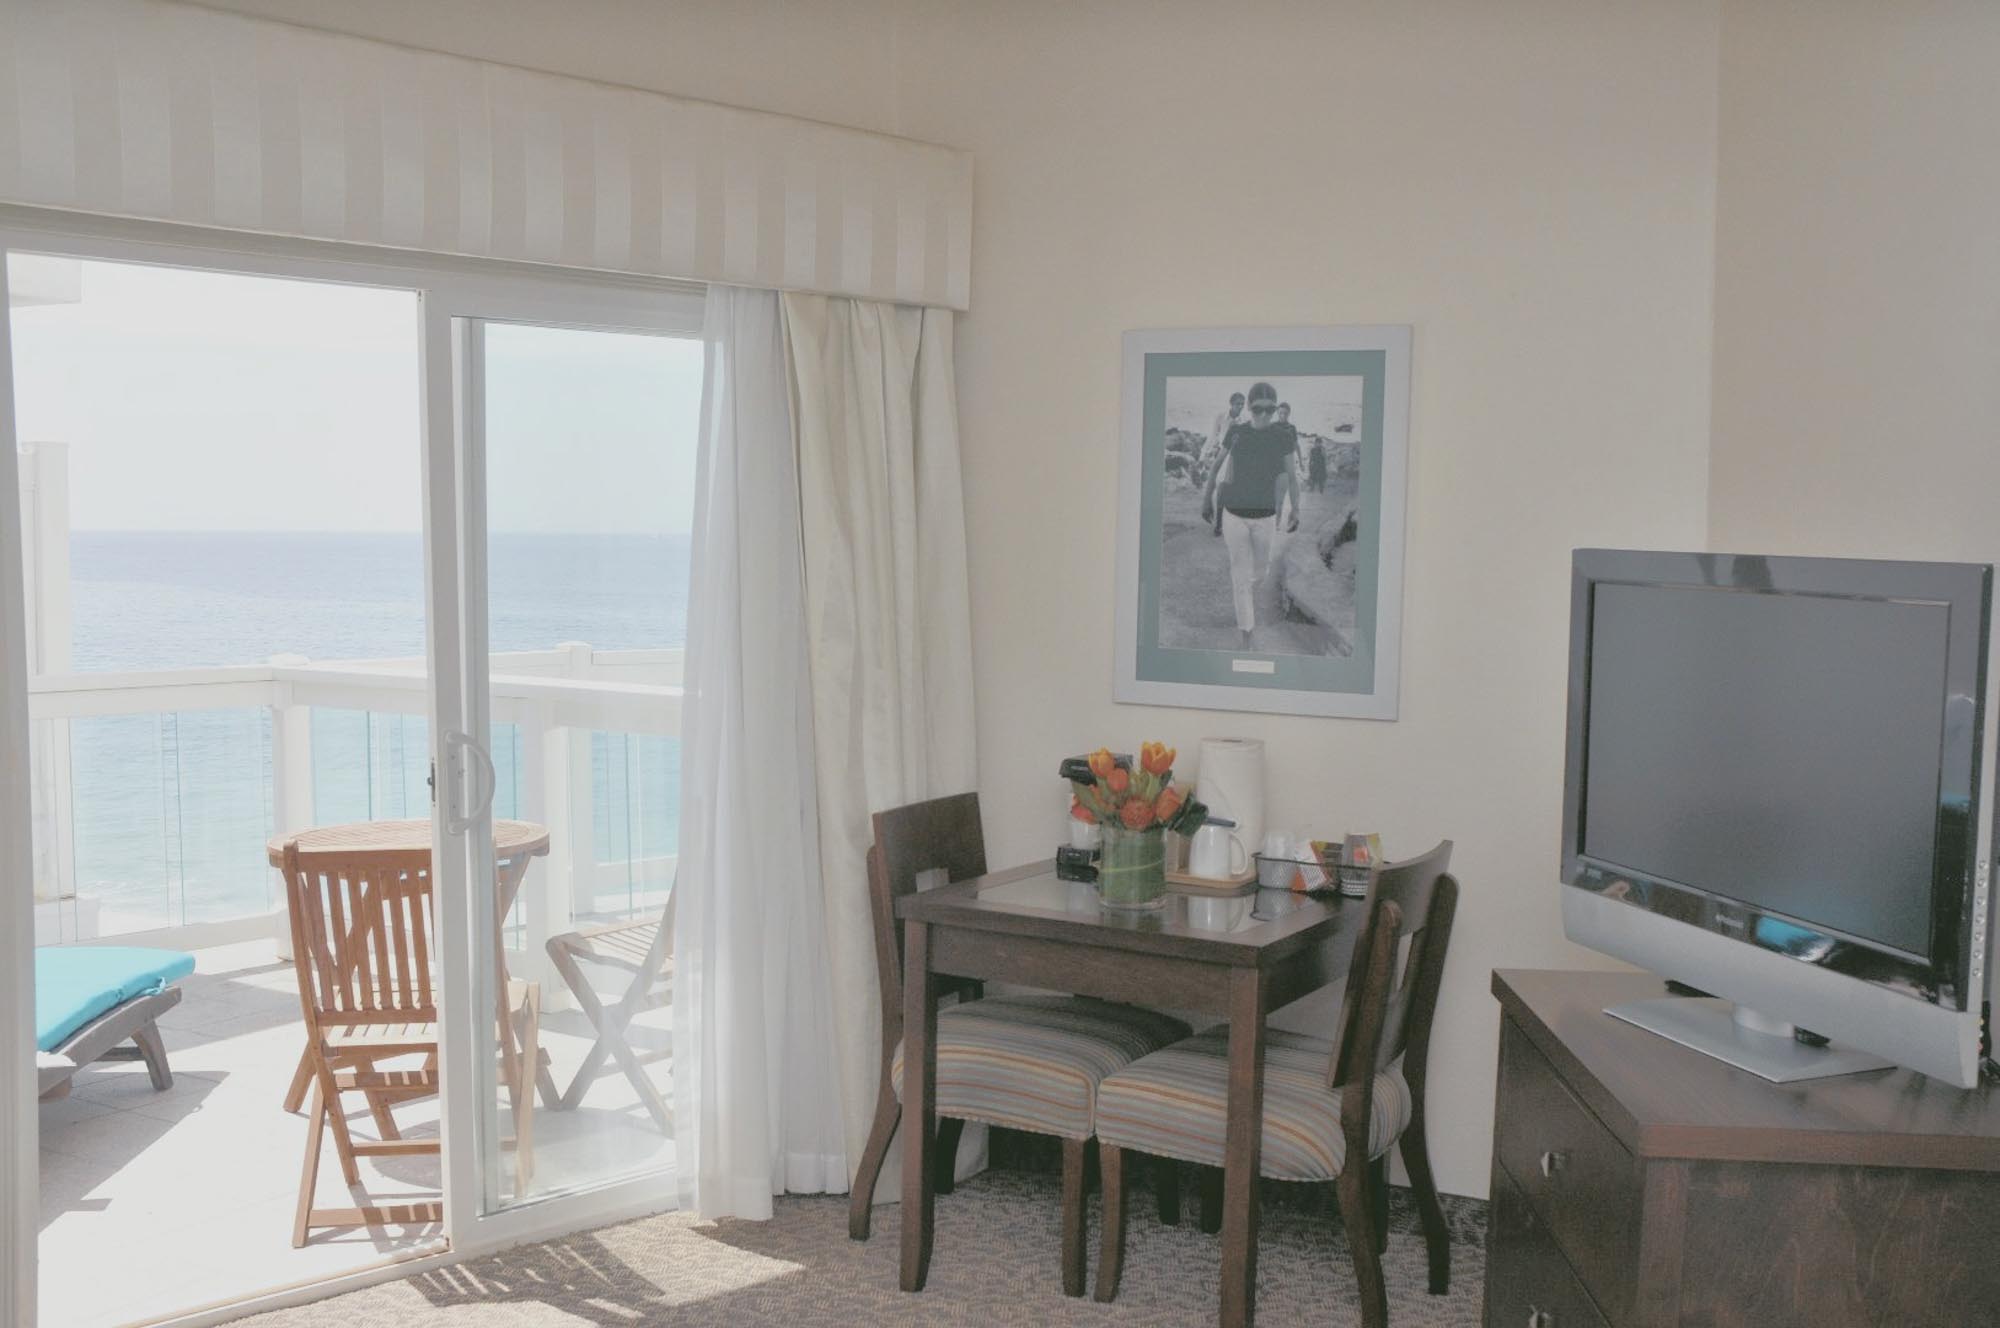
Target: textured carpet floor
{"type": "Point", "coordinates": [995, 1263]}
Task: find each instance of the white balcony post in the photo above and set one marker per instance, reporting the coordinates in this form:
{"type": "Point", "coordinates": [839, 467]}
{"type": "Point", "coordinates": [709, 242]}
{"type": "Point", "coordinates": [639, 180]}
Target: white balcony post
{"type": "Point", "coordinates": [578, 787]}
{"type": "Point", "coordinates": [551, 778]}
{"type": "Point", "coordinates": [291, 775]}
{"type": "Point", "coordinates": [45, 551]}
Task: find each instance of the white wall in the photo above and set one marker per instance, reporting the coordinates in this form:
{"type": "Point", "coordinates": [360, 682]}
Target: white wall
{"type": "Point", "coordinates": [1531, 185]}
{"type": "Point", "coordinates": [1857, 331]}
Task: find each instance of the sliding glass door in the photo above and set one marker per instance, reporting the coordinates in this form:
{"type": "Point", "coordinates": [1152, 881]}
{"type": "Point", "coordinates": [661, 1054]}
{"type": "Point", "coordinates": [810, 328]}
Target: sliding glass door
{"type": "Point", "coordinates": [515, 516]}
{"type": "Point", "coordinates": [578, 486]}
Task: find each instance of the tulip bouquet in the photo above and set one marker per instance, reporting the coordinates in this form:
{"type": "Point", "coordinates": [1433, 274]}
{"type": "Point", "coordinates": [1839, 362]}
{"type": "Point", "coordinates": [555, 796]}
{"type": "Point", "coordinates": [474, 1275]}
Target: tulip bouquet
{"type": "Point", "coordinates": [1135, 807]}
{"type": "Point", "coordinates": [1117, 794]}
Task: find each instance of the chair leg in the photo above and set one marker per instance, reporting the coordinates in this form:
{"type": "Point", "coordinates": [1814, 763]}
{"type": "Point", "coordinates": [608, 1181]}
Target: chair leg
{"type": "Point", "coordinates": [309, 1176]}
{"type": "Point", "coordinates": [295, 1096]}
{"type": "Point", "coordinates": [1167, 1186]}
{"type": "Point", "coordinates": [950, 1128]}
{"type": "Point", "coordinates": [529, 1031]}
{"type": "Point", "coordinates": [1437, 1239]}
{"type": "Point", "coordinates": [1352, 1187]}
{"type": "Point", "coordinates": [861, 1198]}
{"type": "Point", "coordinates": [155, 1053]}
{"type": "Point", "coordinates": [385, 1124]}
{"type": "Point", "coordinates": [343, 1142]}
{"type": "Point", "coordinates": [1378, 1201]}
{"type": "Point", "coordinates": [1111, 1254]}
{"type": "Point", "coordinates": [1073, 1222]}
{"type": "Point", "coordinates": [1210, 1185]}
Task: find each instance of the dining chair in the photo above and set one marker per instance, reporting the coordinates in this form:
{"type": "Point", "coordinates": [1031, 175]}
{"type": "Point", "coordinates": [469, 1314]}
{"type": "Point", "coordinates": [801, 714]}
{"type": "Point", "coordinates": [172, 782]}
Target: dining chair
{"type": "Point", "coordinates": [642, 952]}
{"type": "Point", "coordinates": [1029, 1062]}
{"type": "Point", "coordinates": [1332, 1107]}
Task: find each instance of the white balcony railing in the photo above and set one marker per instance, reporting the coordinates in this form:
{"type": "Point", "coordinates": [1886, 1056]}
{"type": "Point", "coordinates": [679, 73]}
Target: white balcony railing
{"type": "Point", "coordinates": [557, 702]}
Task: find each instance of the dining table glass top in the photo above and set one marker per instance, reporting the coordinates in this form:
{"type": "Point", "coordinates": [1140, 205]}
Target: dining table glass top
{"type": "Point", "coordinates": [1039, 892]}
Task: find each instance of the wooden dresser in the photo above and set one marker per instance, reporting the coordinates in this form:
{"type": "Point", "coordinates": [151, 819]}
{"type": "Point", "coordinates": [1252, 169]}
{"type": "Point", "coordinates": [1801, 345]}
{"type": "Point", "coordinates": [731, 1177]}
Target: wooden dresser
{"type": "Point", "coordinates": [1636, 1182]}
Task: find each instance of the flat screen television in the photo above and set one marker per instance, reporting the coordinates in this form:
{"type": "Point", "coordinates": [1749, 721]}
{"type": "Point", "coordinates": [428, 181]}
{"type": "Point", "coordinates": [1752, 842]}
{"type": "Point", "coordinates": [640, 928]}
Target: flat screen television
{"type": "Point", "coordinates": [1772, 794]}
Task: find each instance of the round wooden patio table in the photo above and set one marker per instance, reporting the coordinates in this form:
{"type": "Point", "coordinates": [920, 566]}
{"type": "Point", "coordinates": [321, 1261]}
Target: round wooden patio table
{"type": "Point", "coordinates": [515, 843]}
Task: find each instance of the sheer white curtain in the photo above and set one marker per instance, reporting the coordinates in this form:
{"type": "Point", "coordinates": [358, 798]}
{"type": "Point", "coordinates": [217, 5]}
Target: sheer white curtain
{"type": "Point", "coordinates": [887, 617]}
{"type": "Point", "coordinates": [757, 1106]}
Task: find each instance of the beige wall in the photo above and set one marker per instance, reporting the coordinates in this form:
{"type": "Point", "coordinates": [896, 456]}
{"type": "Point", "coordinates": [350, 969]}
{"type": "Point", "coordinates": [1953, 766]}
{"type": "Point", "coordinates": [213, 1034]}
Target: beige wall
{"type": "Point", "coordinates": [1531, 185]}
{"type": "Point", "coordinates": [832, 62]}
{"type": "Point", "coordinates": [1857, 330]}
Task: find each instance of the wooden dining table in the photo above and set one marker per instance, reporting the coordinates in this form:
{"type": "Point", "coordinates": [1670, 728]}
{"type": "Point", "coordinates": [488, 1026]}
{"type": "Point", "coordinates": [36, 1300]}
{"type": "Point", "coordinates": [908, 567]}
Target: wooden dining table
{"type": "Point", "coordinates": [1237, 957]}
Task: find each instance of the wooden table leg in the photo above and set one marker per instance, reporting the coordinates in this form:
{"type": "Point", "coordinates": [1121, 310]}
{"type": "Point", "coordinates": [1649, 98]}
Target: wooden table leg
{"type": "Point", "coordinates": [1241, 1149]}
{"type": "Point", "coordinates": [919, 1101]}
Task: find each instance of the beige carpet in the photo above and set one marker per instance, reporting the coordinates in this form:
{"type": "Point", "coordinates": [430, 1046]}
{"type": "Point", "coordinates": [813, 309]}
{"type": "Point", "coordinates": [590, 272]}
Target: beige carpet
{"type": "Point", "coordinates": [995, 1263]}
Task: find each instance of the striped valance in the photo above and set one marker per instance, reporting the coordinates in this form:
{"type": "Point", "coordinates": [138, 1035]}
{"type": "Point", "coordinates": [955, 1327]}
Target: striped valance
{"type": "Point", "coordinates": [147, 108]}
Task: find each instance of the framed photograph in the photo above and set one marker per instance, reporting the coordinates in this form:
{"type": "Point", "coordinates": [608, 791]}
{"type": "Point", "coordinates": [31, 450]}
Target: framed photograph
{"type": "Point", "coordinates": [1260, 519]}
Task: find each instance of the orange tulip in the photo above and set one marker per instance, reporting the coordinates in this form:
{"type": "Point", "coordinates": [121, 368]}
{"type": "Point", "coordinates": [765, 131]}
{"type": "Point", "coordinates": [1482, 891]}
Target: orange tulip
{"type": "Point", "coordinates": [1102, 763]}
{"type": "Point", "coordinates": [1167, 804]}
{"type": "Point", "coordinates": [1081, 812]}
{"type": "Point", "coordinates": [1156, 758]}
{"type": "Point", "coordinates": [1118, 781]}
{"type": "Point", "coordinates": [1136, 815]}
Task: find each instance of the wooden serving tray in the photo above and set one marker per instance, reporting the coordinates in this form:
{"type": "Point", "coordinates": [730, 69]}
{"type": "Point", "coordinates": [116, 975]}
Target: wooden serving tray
{"type": "Point", "coordinates": [1181, 882]}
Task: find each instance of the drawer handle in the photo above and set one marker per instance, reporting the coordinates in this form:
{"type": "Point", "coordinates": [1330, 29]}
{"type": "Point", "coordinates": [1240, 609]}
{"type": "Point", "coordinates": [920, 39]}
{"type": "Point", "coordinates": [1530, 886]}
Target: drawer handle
{"type": "Point", "coordinates": [1552, 1162]}
{"type": "Point", "coordinates": [1540, 1318]}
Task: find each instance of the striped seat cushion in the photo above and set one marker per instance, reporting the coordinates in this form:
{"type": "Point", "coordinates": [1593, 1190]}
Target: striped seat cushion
{"type": "Point", "coordinates": [1174, 1103]}
{"type": "Point", "coordinates": [1034, 1062]}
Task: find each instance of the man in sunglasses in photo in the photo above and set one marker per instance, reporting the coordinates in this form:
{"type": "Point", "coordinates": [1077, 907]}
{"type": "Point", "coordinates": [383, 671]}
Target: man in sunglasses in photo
{"type": "Point", "coordinates": [1248, 491]}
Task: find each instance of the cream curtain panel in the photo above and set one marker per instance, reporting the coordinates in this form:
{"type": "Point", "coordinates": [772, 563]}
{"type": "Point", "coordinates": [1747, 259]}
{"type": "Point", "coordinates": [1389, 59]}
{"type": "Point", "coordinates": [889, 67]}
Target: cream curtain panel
{"type": "Point", "coordinates": [890, 628]}
{"type": "Point", "coordinates": [828, 675]}
{"type": "Point", "coordinates": [168, 112]}
{"type": "Point", "coordinates": [757, 1106]}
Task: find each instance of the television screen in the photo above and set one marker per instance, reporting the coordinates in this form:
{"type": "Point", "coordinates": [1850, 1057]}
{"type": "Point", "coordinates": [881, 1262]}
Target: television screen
{"type": "Point", "coordinates": [1779, 749]}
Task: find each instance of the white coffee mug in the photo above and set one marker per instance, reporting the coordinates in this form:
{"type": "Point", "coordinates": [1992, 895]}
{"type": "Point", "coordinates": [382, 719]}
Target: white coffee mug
{"type": "Point", "coordinates": [1216, 853]}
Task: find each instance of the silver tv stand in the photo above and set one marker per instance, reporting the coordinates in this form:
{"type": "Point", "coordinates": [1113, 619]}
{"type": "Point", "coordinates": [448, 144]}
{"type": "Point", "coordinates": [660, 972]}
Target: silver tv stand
{"type": "Point", "coordinates": [1742, 1037]}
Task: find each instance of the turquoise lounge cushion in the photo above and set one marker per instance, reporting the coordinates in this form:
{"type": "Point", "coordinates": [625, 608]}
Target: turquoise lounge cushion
{"type": "Point", "coordinates": [76, 983]}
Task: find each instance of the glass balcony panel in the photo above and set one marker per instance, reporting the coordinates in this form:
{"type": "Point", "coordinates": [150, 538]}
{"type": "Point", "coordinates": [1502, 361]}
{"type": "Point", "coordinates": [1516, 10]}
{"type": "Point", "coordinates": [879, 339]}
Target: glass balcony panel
{"type": "Point", "coordinates": [169, 814]}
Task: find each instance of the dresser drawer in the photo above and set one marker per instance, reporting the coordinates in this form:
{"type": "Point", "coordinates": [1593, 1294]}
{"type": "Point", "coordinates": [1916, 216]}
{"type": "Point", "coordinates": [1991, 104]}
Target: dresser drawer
{"type": "Point", "coordinates": [1528, 1283]}
{"type": "Point", "coordinates": [1584, 1189]}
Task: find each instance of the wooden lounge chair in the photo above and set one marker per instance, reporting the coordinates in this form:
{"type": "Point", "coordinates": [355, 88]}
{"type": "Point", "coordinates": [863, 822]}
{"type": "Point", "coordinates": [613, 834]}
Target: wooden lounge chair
{"type": "Point", "coordinates": [91, 1001]}
{"type": "Point", "coordinates": [643, 952]}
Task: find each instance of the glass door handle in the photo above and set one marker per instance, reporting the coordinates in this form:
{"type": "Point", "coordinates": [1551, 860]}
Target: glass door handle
{"type": "Point", "coordinates": [458, 825]}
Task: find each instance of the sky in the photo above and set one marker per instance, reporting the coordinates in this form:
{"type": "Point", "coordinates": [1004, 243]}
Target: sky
{"type": "Point", "coordinates": [209, 402]}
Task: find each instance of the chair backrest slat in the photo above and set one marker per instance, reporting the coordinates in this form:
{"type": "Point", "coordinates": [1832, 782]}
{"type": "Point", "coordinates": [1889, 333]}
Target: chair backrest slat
{"type": "Point", "coordinates": [370, 937]}
{"type": "Point", "coordinates": [360, 933]}
{"type": "Point", "coordinates": [1386, 1014]}
{"type": "Point", "coordinates": [942, 834]}
{"type": "Point", "coordinates": [337, 967]}
{"type": "Point", "coordinates": [417, 915]}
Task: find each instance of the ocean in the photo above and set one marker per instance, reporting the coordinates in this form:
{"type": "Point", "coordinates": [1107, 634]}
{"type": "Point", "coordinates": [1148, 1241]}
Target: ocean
{"type": "Point", "coordinates": [171, 811]}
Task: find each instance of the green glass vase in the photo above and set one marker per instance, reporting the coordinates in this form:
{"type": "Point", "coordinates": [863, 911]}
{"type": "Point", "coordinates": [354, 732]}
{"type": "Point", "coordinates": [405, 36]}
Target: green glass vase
{"type": "Point", "coordinates": [1132, 868]}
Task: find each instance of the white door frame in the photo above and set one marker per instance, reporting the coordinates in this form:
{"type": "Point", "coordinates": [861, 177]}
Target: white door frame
{"type": "Point", "coordinates": [453, 295]}
{"type": "Point", "coordinates": [20, 1170]}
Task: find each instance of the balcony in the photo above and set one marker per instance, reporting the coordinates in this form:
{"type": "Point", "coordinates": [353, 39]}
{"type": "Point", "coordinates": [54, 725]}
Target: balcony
{"type": "Point", "coordinates": [155, 793]}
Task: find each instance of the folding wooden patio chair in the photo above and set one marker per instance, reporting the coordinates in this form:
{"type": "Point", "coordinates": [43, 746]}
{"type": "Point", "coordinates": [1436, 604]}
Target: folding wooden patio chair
{"type": "Point", "coordinates": [643, 952]}
{"type": "Point", "coordinates": [361, 944]}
